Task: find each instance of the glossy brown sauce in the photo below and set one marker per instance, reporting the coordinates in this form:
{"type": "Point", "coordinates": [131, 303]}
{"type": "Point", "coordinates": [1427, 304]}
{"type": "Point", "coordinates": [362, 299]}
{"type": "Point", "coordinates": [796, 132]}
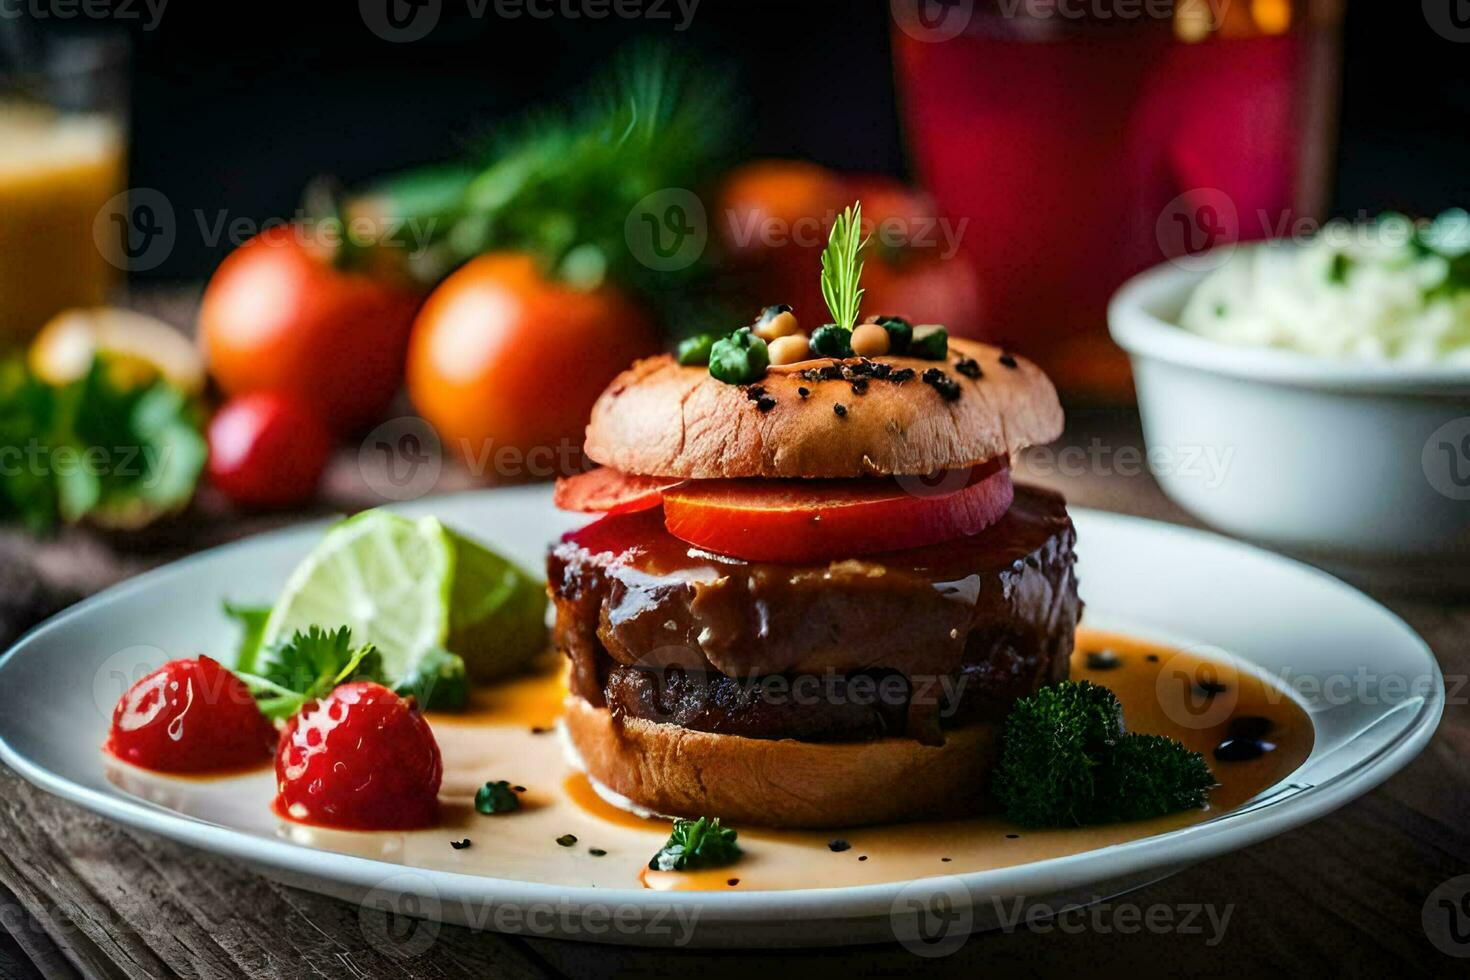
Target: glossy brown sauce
{"type": "Point", "coordinates": [505, 735]}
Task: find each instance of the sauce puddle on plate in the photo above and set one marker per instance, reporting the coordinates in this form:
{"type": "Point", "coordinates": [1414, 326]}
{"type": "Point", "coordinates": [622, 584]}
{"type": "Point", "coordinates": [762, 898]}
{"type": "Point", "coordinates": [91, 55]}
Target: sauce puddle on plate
{"type": "Point", "coordinates": [565, 834]}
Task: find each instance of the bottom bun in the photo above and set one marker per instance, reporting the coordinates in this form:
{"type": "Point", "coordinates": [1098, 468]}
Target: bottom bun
{"type": "Point", "coordinates": [781, 782]}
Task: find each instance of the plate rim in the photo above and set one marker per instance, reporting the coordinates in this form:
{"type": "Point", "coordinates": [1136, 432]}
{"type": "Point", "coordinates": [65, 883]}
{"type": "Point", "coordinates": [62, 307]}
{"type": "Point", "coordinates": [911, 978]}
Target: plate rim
{"type": "Point", "coordinates": [1228, 832]}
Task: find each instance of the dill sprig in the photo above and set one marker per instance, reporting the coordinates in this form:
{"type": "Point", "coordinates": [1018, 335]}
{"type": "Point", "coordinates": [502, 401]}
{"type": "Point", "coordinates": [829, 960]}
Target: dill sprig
{"type": "Point", "coordinates": [842, 266]}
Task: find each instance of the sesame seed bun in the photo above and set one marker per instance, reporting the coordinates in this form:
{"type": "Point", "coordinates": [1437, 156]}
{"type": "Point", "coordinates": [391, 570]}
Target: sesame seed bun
{"type": "Point", "coordinates": [679, 772]}
{"type": "Point", "coordinates": [911, 417]}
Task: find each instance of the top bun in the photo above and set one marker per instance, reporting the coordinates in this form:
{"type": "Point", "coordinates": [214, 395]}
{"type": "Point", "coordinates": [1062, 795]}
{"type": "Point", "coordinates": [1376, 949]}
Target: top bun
{"type": "Point", "coordinates": [659, 418]}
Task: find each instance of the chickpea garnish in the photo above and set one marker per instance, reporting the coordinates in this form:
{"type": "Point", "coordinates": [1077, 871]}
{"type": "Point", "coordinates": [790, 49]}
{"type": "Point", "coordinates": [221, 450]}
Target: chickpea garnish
{"type": "Point", "coordinates": [776, 321]}
{"type": "Point", "coordinates": [790, 349]}
{"type": "Point", "coordinates": [869, 340]}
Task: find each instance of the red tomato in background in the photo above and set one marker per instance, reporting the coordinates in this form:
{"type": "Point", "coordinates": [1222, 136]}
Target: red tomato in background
{"type": "Point", "coordinates": [267, 449]}
{"type": "Point", "coordinates": [278, 316]}
{"type": "Point", "coordinates": [502, 357]}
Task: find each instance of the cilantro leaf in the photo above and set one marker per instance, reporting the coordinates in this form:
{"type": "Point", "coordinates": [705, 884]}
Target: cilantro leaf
{"type": "Point", "coordinates": [696, 844]}
{"type": "Point", "coordinates": [308, 666]}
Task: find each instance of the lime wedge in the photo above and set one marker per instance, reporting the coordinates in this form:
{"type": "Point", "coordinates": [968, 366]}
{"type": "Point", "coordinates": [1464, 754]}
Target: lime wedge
{"type": "Point", "coordinates": [384, 576]}
{"type": "Point", "coordinates": [415, 589]}
{"type": "Point", "coordinates": [497, 618]}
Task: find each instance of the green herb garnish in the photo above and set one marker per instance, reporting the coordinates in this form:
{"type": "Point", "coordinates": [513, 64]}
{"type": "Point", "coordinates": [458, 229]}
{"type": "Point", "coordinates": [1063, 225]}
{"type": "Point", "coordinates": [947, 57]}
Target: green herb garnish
{"type": "Point", "coordinates": [696, 844]}
{"type": "Point", "coordinates": [931, 342]}
{"type": "Point", "coordinates": [842, 266]}
{"type": "Point", "coordinates": [832, 341]}
{"type": "Point", "coordinates": [1066, 761]}
{"type": "Point", "coordinates": [252, 620]}
{"type": "Point", "coordinates": [309, 666]}
{"type": "Point", "coordinates": [739, 358]}
{"type": "Point", "coordinates": [497, 797]}
{"type": "Point", "coordinates": [695, 350]}
{"type": "Point", "coordinates": [438, 682]}
{"type": "Point", "coordinates": [1337, 269]}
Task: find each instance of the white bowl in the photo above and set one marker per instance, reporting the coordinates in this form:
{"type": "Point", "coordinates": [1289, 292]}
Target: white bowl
{"type": "Point", "coordinates": [1353, 462]}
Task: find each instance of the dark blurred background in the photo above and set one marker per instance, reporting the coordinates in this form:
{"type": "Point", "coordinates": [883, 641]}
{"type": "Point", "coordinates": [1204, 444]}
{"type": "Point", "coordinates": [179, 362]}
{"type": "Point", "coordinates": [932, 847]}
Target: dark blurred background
{"type": "Point", "coordinates": [235, 107]}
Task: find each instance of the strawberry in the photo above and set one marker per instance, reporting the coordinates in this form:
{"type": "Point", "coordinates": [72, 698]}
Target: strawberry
{"type": "Point", "coordinates": [361, 758]}
{"type": "Point", "coordinates": [190, 716]}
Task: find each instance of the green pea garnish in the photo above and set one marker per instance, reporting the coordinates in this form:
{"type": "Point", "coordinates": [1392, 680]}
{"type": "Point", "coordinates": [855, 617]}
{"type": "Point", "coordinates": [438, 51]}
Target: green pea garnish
{"type": "Point", "coordinates": [930, 342]}
{"type": "Point", "coordinates": [739, 358]}
{"type": "Point", "coordinates": [832, 341]}
{"type": "Point", "coordinates": [695, 350]}
{"type": "Point", "coordinates": [900, 333]}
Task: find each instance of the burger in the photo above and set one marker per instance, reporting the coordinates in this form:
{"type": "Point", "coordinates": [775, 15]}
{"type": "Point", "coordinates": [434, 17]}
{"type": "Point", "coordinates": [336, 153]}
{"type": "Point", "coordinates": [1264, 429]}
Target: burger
{"type": "Point", "coordinates": [814, 592]}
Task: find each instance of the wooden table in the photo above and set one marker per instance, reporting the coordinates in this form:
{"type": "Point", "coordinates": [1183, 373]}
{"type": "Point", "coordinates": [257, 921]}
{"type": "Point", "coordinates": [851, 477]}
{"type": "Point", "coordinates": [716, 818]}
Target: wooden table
{"type": "Point", "coordinates": [79, 895]}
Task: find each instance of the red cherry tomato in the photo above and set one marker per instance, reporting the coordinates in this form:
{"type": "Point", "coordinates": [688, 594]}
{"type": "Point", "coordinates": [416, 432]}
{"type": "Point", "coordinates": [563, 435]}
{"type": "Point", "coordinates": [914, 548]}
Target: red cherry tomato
{"type": "Point", "coordinates": [279, 316]}
{"type": "Point", "coordinates": [812, 520]}
{"type": "Point", "coordinates": [190, 716]}
{"type": "Point", "coordinates": [609, 491]}
{"type": "Point", "coordinates": [361, 758]}
{"type": "Point", "coordinates": [267, 449]}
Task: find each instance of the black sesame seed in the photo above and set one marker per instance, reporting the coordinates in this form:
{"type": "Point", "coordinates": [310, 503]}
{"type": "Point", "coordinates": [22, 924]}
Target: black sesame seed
{"type": "Point", "coordinates": [901, 375]}
{"type": "Point", "coordinates": [881, 371]}
{"type": "Point", "coordinates": [840, 409]}
{"type": "Point", "coordinates": [862, 857]}
{"type": "Point", "coordinates": [765, 403]}
{"type": "Point", "coordinates": [838, 844]}
{"type": "Point", "coordinates": [1242, 749]}
{"type": "Point", "coordinates": [733, 882]}
{"type": "Point", "coordinates": [968, 366]}
{"type": "Point", "coordinates": [804, 392]}
{"type": "Point", "coordinates": [538, 730]}
{"type": "Point", "coordinates": [460, 845]}
{"type": "Point", "coordinates": [860, 386]}
{"type": "Point", "coordinates": [946, 860]}
{"type": "Point", "coordinates": [1008, 360]}
{"type": "Point", "coordinates": [948, 389]}
{"type": "Point", "coordinates": [755, 392]}
{"type": "Point", "coordinates": [832, 372]}
{"type": "Point", "coordinates": [567, 840]}
{"type": "Point", "coordinates": [596, 852]}
{"type": "Point", "coordinates": [519, 789]}
{"type": "Point", "coordinates": [1103, 660]}
{"type": "Point", "coordinates": [1152, 658]}
{"type": "Point", "coordinates": [1012, 836]}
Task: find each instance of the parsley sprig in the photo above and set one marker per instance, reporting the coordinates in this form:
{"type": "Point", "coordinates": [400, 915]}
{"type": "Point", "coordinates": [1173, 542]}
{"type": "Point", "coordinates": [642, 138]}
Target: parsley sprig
{"type": "Point", "coordinates": [309, 666]}
{"type": "Point", "coordinates": [696, 844]}
{"type": "Point", "coordinates": [842, 266]}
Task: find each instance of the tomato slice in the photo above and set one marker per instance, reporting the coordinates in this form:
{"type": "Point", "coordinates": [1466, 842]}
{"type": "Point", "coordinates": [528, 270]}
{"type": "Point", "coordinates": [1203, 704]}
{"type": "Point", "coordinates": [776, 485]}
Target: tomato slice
{"type": "Point", "coordinates": [609, 491]}
{"type": "Point", "coordinates": [821, 520]}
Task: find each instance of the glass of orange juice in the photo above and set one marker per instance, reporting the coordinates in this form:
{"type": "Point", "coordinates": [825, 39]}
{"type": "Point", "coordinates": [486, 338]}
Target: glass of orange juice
{"type": "Point", "coordinates": [63, 159]}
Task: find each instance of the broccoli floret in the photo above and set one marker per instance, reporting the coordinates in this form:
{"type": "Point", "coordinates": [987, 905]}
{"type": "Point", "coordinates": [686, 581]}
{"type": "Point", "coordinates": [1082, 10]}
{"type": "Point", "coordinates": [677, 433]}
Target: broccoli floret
{"type": "Point", "coordinates": [1148, 776]}
{"type": "Point", "coordinates": [1066, 761]}
{"type": "Point", "coordinates": [1053, 743]}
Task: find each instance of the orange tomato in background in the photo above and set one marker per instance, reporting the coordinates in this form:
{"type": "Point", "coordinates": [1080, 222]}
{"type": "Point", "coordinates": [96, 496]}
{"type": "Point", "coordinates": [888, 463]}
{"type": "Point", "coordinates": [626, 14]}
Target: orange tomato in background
{"type": "Point", "coordinates": [278, 316]}
{"type": "Point", "coordinates": [772, 221]}
{"type": "Point", "coordinates": [502, 357]}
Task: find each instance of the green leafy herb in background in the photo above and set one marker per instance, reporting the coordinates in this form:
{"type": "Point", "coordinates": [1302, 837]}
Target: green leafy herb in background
{"type": "Point", "coordinates": [696, 844]}
{"type": "Point", "coordinates": [563, 183]}
{"type": "Point", "coordinates": [842, 266]}
{"type": "Point", "coordinates": [98, 449]}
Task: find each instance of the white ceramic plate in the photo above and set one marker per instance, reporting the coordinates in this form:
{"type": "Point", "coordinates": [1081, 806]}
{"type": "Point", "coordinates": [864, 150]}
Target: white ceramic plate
{"type": "Point", "coordinates": [1370, 684]}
